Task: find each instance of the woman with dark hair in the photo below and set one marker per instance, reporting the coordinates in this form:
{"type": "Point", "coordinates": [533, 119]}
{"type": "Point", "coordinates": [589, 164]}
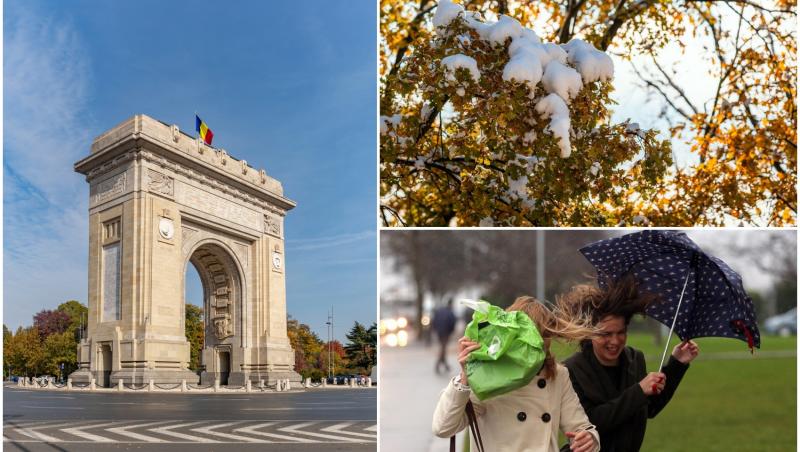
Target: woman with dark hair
{"type": "Point", "coordinates": [610, 378]}
{"type": "Point", "coordinates": [528, 418]}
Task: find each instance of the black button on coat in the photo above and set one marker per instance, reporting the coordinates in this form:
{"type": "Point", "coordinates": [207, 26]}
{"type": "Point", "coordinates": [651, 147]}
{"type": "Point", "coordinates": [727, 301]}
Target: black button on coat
{"type": "Point", "coordinates": [521, 416]}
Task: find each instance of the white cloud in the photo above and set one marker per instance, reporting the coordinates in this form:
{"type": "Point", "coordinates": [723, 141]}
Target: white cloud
{"type": "Point", "coordinates": [47, 82]}
{"type": "Point", "coordinates": [329, 242]}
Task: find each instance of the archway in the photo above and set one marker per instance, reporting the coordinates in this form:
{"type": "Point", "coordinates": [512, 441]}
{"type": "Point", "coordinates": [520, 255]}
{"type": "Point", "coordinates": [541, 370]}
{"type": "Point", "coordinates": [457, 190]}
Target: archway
{"type": "Point", "coordinates": [222, 310]}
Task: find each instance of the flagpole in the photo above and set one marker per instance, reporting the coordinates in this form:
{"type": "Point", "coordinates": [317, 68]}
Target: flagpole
{"type": "Point", "coordinates": [674, 319]}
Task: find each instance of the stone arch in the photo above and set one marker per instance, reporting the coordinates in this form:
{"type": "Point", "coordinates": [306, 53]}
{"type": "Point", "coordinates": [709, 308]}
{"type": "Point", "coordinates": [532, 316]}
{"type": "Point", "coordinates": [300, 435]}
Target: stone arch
{"type": "Point", "coordinates": [172, 204]}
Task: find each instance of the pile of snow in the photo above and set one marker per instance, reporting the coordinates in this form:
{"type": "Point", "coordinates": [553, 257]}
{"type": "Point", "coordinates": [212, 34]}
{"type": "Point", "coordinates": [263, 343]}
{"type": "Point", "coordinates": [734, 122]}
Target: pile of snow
{"type": "Point", "coordinates": [593, 64]}
{"type": "Point", "coordinates": [552, 106]}
{"type": "Point", "coordinates": [458, 60]}
{"type": "Point", "coordinates": [532, 62]}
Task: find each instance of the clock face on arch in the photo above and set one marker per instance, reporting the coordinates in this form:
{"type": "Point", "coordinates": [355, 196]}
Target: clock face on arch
{"type": "Point", "coordinates": [166, 228]}
{"type": "Point", "coordinates": [277, 263]}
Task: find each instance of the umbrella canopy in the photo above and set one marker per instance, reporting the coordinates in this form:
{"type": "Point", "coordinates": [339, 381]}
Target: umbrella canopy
{"type": "Point", "coordinates": [710, 294]}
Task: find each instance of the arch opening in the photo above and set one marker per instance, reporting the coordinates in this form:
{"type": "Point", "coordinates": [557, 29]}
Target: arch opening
{"type": "Point", "coordinates": [221, 289]}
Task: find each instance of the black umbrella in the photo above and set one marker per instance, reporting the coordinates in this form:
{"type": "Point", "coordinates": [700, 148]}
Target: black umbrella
{"type": "Point", "coordinates": [701, 295]}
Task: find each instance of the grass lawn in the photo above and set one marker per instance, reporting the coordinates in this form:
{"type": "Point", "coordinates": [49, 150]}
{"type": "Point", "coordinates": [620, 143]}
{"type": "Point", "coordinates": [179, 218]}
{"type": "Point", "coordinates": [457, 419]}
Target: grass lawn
{"type": "Point", "coordinates": [728, 400]}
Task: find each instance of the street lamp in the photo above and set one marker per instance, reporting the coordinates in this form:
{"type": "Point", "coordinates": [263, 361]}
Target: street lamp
{"type": "Point", "coordinates": [330, 345]}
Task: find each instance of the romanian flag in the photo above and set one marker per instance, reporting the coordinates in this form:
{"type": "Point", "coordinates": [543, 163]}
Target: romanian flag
{"type": "Point", "coordinates": [205, 133]}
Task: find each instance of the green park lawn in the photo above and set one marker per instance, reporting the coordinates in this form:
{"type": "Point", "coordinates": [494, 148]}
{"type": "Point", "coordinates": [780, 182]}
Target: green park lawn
{"type": "Point", "coordinates": [729, 400]}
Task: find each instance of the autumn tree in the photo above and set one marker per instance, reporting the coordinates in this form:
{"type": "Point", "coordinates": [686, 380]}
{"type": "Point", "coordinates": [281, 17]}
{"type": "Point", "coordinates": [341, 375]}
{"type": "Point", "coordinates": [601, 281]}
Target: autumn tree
{"type": "Point", "coordinates": [25, 355]}
{"type": "Point", "coordinates": [471, 144]}
{"type": "Point", "coordinates": [307, 346]}
{"type": "Point", "coordinates": [49, 322]}
{"type": "Point", "coordinates": [337, 358]}
{"type": "Point", "coordinates": [195, 333]}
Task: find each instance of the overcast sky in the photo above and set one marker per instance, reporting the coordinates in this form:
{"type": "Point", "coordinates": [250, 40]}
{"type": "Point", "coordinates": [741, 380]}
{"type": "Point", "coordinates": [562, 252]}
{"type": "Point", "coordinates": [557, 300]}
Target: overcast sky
{"type": "Point", "coordinates": [289, 89]}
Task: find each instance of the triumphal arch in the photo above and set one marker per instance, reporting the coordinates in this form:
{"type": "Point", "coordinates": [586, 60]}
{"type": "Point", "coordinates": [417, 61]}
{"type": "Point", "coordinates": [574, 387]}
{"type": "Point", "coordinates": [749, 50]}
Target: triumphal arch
{"type": "Point", "coordinates": [160, 200]}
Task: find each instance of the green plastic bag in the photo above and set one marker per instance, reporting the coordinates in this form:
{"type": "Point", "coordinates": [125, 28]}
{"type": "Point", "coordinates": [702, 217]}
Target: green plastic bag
{"type": "Point", "coordinates": [511, 353]}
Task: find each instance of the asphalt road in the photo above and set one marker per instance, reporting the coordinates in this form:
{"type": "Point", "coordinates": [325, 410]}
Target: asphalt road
{"type": "Point", "coordinates": [329, 419]}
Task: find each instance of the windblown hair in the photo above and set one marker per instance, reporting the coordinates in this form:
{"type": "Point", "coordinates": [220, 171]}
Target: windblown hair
{"type": "Point", "coordinates": [554, 323]}
{"type": "Point", "coordinates": [618, 298]}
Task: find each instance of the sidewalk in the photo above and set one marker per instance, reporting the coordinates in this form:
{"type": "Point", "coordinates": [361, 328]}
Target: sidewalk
{"type": "Point", "coordinates": [409, 391]}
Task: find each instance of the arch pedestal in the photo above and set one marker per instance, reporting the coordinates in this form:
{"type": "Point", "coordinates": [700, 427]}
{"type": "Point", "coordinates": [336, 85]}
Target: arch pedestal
{"type": "Point", "coordinates": [159, 200]}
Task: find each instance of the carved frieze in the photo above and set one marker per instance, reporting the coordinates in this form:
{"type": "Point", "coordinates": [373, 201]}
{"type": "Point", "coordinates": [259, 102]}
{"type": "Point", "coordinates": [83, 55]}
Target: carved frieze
{"type": "Point", "coordinates": [108, 189]}
{"type": "Point", "coordinates": [272, 225]}
{"type": "Point", "coordinates": [160, 183]}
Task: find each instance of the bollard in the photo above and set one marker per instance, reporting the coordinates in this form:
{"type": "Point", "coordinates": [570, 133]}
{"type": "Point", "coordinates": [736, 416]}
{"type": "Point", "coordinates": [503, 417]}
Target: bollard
{"type": "Point", "coordinates": [152, 386]}
{"type": "Point", "coordinates": [324, 382]}
{"type": "Point", "coordinates": [183, 386]}
{"type": "Point", "coordinates": [278, 385]}
{"type": "Point", "coordinates": [69, 384]}
{"type": "Point", "coordinates": [249, 386]}
{"type": "Point", "coordinates": [307, 382]}
{"type": "Point", "coordinates": [21, 382]}
{"type": "Point", "coordinates": [216, 384]}
{"type": "Point", "coordinates": [93, 385]}
{"type": "Point", "coordinates": [352, 382]}
{"type": "Point", "coordinates": [288, 385]}
{"type": "Point", "coordinates": [261, 384]}
{"type": "Point", "coordinates": [120, 384]}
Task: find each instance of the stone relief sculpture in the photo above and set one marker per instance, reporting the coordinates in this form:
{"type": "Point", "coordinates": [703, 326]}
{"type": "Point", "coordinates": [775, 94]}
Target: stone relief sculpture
{"type": "Point", "coordinates": [272, 225]}
{"type": "Point", "coordinates": [159, 183]}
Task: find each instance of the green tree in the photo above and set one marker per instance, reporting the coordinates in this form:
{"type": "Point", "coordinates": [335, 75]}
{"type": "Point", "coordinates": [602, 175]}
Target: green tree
{"type": "Point", "coordinates": [195, 334]}
{"type": "Point", "coordinates": [78, 315]}
{"type": "Point", "coordinates": [361, 348]}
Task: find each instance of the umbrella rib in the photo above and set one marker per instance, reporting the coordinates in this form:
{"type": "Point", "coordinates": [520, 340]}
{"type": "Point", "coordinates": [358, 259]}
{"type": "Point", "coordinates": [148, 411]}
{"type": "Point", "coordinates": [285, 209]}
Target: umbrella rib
{"type": "Point", "coordinates": [675, 318]}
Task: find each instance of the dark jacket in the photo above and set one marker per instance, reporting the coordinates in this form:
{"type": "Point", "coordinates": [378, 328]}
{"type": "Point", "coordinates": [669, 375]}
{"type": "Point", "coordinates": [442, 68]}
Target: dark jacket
{"type": "Point", "coordinates": [620, 411]}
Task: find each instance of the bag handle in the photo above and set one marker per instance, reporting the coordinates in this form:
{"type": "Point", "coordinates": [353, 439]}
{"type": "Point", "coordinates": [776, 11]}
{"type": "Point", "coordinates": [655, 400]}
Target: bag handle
{"type": "Point", "coordinates": [473, 427]}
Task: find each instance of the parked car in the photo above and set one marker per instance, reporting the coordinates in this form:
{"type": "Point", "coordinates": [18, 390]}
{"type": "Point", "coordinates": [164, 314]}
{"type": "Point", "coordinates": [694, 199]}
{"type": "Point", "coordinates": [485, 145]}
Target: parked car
{"type": "Point", "coordinates": [782, 324]}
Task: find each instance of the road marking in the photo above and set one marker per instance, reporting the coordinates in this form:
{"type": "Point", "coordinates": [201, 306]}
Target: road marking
{"type": "Point", "coordinates": [217, 399]}
{"type": "Point", "coordinates": [208, 431]}
{"type": "Point", "coordinates": [338, 429]}
{"type": "Point", "coordinates": [252, 431]}
{"type": "Point", "coordinates": [326, 403]}
{"type": "Point", "coordinates": [287, 409]}
{"type": "Point", "coordinates": [374, 428]}
{"type": "Point", "coordinates": [54, 407]}
{"type": "Point", "coordinates": [131, 403]}
{"type": "Point", "coordinates": [124, 432]}
{"type": "Point", "coordinates": [78, 431]}
{"type": "Point", "coordinates": [166, 431]}
{"type": "Point", "coordinates": [51, 397]}
{"type": "Point", "coordinates": [296, 429]}
{"type": "Point", "coordinates": [30, 431]}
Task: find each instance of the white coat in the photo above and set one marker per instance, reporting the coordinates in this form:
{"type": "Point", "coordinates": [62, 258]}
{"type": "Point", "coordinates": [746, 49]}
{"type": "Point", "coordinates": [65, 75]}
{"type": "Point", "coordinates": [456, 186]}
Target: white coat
{"type": "Point", "coordinates": [524, 420]}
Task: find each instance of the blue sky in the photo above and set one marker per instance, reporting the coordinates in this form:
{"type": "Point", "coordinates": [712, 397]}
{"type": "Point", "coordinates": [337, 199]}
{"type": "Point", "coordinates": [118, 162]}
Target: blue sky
{"type": "Point", "coordinates": [289, 89]}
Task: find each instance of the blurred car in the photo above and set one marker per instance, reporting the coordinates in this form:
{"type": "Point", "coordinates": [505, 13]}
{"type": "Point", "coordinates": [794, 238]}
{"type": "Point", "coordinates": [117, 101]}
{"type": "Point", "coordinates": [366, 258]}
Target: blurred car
{"type": "Point", "coordinates": [782, 324]}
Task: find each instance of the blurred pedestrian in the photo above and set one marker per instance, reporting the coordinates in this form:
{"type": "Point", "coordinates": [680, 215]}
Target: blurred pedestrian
{"type": "Point", "coordinates": [444, 323]}
{"type": "Point", "coordinates": [528, 418]}
{"type": "Point", "coordinates": [610, 378]}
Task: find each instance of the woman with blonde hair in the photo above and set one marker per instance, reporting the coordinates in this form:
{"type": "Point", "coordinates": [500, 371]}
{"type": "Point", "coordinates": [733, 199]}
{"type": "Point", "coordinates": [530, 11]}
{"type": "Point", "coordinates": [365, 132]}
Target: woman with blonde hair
{"type": "Point", "coordinates": [528, 418]}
